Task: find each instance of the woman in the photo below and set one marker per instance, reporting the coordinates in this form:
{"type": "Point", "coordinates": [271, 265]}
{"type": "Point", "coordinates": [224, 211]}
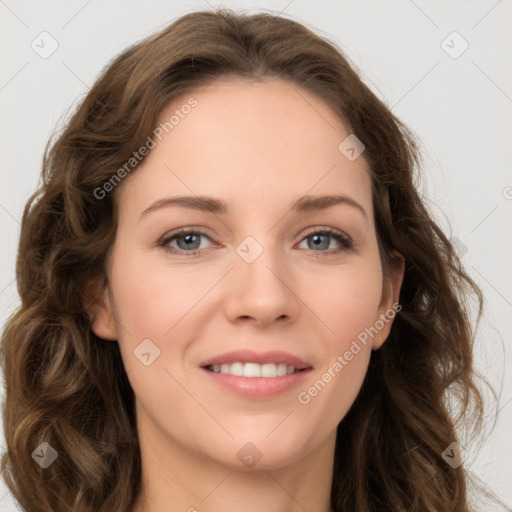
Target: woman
{"type": "Point", "coordinates": [300, 357]}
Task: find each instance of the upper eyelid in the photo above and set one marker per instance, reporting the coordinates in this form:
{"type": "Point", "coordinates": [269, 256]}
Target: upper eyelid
{"type": "Point", "coordinates": [203, 231]}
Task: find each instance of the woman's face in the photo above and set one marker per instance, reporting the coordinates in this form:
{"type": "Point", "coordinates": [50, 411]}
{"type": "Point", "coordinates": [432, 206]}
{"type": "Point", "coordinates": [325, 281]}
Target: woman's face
{"type": "Point", "coordinates": [269, 293]}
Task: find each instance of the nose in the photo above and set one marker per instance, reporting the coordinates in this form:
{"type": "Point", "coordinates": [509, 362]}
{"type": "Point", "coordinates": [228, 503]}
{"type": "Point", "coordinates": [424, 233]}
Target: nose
{"type": "Point", "coordinates": [262, 291]}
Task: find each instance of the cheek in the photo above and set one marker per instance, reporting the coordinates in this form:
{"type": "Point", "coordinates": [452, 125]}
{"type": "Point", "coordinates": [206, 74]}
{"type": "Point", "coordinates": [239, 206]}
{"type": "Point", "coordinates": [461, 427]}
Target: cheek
{"type": "Point", "coordinates": [151, 299]}
{"type": "Point", "coordinates": [349, 307]}
{"type": "Point", "coordinates": [347, 302]}
{"type": "Point", "coordinates": [152, 302]}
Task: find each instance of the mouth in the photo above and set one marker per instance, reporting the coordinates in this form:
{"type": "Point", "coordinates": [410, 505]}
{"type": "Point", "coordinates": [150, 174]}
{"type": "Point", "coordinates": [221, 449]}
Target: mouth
{"type": "Point", "coordinates": [256, 376]}
{"type": "Point", "coordinates": [254, 370]}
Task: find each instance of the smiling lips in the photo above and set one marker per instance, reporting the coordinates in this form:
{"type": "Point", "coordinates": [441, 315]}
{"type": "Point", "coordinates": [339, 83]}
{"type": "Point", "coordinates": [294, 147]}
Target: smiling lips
{"type": "Point", "coordinates": [256, 375]}
{"type": "Point", "coordinates": [246, 363]}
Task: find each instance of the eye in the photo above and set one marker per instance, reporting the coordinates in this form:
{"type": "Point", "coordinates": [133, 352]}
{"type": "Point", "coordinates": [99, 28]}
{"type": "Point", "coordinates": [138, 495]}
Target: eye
{"type": "Point", "coordinates": [186, 239]}
{"type": "Point", "coordinates": [189, 241]}
{"type": "Point", "coordinates": [320, 240]}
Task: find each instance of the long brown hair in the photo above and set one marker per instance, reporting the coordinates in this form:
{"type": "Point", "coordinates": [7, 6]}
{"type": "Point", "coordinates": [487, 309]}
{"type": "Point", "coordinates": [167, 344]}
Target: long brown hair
{"type": "Point", "coordinates": [67, 388]}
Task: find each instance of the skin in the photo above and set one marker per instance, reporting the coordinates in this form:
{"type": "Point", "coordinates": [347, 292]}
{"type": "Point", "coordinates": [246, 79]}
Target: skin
{"type": "Point", "coordinates": [259, 146]}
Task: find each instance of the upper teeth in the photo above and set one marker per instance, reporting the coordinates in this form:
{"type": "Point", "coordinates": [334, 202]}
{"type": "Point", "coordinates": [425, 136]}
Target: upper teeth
{"type": "Point", "coordinates": [253, 369]}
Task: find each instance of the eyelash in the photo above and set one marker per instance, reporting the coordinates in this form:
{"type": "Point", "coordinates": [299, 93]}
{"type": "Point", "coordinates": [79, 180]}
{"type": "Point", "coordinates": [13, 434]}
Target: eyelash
{"type": "Point", "coordinates": [344, 240]}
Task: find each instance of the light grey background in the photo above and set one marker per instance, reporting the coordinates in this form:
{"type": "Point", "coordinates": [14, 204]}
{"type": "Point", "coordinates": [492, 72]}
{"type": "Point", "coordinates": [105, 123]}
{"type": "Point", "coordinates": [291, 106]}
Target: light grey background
{"type": "Point", "coordinates": [459, 105]}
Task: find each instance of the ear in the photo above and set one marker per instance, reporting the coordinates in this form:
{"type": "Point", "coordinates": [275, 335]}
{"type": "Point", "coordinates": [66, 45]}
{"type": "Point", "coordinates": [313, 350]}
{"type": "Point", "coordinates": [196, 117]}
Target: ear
{"type": "Point", "coordinates": [388, 307]}
{"type": "Point", "coordinates": [98, 303]}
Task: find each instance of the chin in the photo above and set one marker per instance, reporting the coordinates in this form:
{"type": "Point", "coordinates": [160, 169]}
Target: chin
{"type": "Point", "coordinates": [260, 451]}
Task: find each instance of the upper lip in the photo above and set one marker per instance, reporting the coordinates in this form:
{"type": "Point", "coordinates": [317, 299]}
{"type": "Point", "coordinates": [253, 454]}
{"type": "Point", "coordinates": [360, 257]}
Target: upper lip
{"type": "Point", "coordinates": [248, 356]}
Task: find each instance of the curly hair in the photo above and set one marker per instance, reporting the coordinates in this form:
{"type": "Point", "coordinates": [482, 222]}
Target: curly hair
{"type": "Point", "coordinates": [66, 387]}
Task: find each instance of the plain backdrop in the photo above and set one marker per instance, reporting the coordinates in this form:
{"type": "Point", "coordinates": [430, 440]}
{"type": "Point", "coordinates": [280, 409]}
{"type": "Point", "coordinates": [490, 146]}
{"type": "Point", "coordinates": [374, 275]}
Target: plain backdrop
{"type": "Point", "coordinates": [443, 68]}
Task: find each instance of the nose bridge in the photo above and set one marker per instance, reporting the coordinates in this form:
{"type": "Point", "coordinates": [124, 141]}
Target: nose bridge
{"type": "Point", "coordinates": [261, 245]}
{"type": "Point", "coordinates": [260, 280]}
{"type": "Point", "coordinates": [259, 259]}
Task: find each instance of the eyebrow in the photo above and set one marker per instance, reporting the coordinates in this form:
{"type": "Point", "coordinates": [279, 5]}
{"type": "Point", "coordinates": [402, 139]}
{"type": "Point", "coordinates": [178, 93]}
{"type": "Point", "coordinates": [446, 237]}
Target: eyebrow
{"type": "Point", "coordinates": [213, 205]}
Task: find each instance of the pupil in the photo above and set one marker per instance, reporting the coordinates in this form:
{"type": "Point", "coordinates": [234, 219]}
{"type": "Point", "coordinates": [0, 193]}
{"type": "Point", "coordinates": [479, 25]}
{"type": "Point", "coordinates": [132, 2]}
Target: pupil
{"type": "Point", "coordinates": [187, 241]}
{"type": "Point", "coordinates": [318, 242]}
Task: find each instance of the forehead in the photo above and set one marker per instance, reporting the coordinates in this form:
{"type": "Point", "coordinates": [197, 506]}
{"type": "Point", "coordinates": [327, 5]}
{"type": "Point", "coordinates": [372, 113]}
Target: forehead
{"type": "Point", "coordinates": [250, 140]}
{"type": "Point", "coordinates": [273, 113]}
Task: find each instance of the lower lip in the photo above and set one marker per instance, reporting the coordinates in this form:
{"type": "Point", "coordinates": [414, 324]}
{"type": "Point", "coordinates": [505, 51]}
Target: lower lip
{"type": "Point", "coordinates": [258, 387]}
